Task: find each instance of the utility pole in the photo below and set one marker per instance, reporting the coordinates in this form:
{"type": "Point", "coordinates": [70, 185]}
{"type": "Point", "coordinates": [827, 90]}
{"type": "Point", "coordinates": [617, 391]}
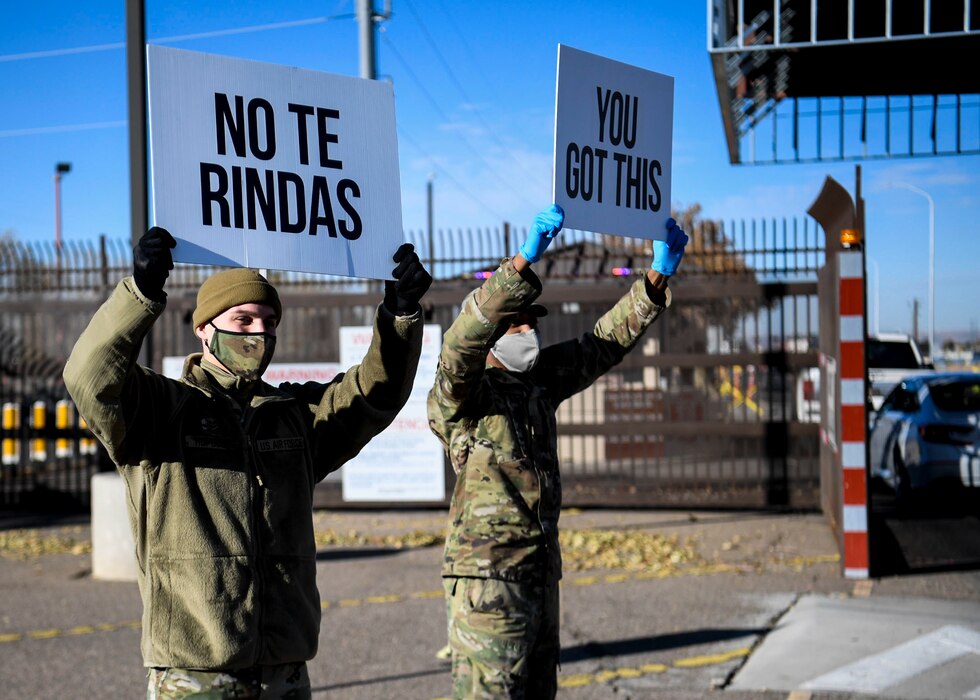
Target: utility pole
{"type": "Point", "coordinates": [136, 82]}
{"type": "Point", "coordinates": [60, 170]}
{"type": "Point", "coordinates": [915, 321]}
{"type": "Point", "coordinates": [136, 85]}
{"type": "Point", "coordinates": [428, 224]}
{"type": "Point", "coordinates": [367, 19]}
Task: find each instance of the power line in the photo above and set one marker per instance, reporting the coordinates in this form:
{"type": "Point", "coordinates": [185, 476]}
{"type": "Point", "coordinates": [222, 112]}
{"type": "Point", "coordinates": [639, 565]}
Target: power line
{"type": "Point", "coordinates": [175, 39]}
{"type": "Point", "coordinates": [256, 28]}
{"type": "Point", "coordinates": [34, 131]}
{"type": "Point", "coordinates": [163, 40]}
{"type": "Point", "coordinates": [462, 90]}
{"type": "Point", "coordinates": [441, 113]}
{"type": "Point", "coordinates": [62, 52]}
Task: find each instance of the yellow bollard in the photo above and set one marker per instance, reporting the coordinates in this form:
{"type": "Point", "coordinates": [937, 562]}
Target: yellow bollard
{"type": "Point", "coordinates": [86, 445]}
{"type": "Point", "coordinates": [11, 421]}
{"type": "Point", "coordinates": [39, 419]}
{"type": "Point", "coordinates": [62, 421]}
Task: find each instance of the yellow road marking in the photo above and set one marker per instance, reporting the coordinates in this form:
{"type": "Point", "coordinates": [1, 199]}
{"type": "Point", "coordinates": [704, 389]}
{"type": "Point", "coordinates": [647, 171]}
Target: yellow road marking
{"type": "Point", "coordinates": [394, 598]}
{"type": "Point", "coordinates": [44, 634]}
{"type": "Point", "coordinates": [711, 659]}
{"type": "Point", "coordinates": [580, 680]}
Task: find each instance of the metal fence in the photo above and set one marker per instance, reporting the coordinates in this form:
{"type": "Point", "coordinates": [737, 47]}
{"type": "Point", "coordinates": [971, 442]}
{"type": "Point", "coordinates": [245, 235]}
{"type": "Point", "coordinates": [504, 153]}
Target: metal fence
{"type": "Point", "coordinates": [702, 413]}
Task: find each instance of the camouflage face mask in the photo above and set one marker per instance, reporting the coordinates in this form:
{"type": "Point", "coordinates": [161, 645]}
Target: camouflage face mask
{"type": "Point", "coordinates": [245, 355]}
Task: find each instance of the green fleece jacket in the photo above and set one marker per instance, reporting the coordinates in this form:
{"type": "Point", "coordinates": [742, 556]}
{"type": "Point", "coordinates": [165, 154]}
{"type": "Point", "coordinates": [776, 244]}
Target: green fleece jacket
{"type": "Point", "coordinates": [221, 494]}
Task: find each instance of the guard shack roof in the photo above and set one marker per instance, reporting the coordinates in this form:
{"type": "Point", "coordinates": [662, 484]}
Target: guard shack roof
{"type": "Point", "coordinates": [826, 80]}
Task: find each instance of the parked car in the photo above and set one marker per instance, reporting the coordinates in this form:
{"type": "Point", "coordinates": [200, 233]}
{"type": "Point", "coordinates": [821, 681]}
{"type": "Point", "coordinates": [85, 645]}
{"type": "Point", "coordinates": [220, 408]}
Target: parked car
{"type": "Point", "coordinates": [891, 357]}
{"type": "Point", "coordinates": [928, 432]}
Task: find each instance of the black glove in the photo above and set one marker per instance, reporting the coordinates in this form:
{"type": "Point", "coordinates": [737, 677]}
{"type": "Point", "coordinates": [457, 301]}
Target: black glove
{"type": "Point", "coordinates": [411, 282]}
{"type": "Point", "coordinates": [152, 262]}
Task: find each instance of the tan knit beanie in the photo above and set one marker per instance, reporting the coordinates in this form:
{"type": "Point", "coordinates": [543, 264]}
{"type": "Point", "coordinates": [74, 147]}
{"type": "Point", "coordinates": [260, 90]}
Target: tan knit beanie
{"type": "Point", "coordinates": [229, 288]}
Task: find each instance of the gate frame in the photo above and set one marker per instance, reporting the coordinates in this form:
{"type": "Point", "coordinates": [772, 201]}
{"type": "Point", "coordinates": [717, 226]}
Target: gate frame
{"type": "Point", "coordinates": [844, 463]}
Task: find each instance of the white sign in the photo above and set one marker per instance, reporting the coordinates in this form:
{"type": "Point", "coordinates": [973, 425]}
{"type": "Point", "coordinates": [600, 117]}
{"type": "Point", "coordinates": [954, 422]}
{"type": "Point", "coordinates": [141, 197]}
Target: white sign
{"type": "Point", "coordinates": [613, 131]}
{"type": "Point", "coordinates": [405, 462]}
{"type": "Point", "coordinates": [267, 166]}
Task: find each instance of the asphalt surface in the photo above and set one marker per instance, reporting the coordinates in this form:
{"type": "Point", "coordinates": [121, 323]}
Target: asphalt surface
{"type": "Point", "coordinates": [764, 614]}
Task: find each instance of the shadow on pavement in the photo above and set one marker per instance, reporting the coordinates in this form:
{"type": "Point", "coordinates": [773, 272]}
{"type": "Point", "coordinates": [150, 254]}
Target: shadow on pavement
{"type": "Point", "coordinates": [355, 553]}
{"type": "Point", "coordinates": [383, 679]}
{"type": "Point", "coordinates": [19, 520]}
{"type": "Point", "coordinates": [639, 645]}
{"type": "Point", "coordinates": [937, 532]}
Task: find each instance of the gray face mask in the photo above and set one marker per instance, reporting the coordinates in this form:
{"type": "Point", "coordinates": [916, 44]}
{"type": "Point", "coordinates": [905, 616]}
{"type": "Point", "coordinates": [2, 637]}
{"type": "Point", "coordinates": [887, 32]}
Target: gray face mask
{"type": "Point", "coordinates": [518, 352]}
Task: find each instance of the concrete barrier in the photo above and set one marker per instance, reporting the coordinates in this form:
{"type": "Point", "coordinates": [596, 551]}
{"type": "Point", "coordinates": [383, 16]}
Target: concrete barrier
{"type": "Point", "coordinates": [113, 549]}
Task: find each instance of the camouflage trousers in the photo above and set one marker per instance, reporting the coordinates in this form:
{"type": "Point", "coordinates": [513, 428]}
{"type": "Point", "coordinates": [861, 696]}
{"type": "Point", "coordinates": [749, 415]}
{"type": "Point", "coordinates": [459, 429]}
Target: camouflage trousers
{"type": "Point", "coordinates": [504, 638]}
{"type": "Point", "coordinates": [286, 682]}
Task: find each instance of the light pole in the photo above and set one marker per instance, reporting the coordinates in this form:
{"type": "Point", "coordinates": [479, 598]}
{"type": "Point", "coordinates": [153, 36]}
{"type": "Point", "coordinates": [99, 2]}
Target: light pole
{"type": "Point", "coordinates": [428, 224]}
{"type": "Point", "coordinates": [59, 170]}
{"type": "Point", "coordinates": [932, 262]}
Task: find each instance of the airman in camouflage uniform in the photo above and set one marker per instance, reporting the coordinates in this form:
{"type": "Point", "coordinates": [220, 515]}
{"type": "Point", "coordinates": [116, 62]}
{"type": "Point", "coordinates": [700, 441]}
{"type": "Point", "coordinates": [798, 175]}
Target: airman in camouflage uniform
{"type": "Point", "coordinates": [220, 468]}
{"type": "Point", "coordinates": [493, 408]}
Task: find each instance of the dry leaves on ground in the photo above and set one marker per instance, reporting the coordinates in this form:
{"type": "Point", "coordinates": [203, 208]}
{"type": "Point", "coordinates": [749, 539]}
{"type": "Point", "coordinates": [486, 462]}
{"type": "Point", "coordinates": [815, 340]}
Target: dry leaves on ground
{"type": "Point", "coordinates": [27, 544]}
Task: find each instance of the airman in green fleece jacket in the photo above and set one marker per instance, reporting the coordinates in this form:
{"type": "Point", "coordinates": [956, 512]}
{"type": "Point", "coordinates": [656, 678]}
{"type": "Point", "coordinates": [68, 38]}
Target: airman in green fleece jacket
{"type": "Point", "coordinates": [220, 468]}
{"type": "Point", "coordinates": [493, 408]}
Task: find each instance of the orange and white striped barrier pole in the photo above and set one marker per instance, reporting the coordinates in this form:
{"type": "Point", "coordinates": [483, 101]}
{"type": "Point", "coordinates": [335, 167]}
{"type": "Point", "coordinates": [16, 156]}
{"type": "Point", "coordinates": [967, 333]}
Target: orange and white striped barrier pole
{"type": "Point", "coordinates": [853, 413]}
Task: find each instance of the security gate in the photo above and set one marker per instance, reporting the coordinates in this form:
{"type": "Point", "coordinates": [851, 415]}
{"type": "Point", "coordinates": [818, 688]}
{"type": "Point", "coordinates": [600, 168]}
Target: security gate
{"type": "Point", "coordinates": [707, 411]}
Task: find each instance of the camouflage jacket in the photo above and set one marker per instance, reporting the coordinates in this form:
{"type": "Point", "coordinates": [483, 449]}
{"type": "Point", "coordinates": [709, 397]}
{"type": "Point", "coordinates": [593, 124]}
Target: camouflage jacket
{"type": "Point", "coordinates": [221, 494]}
{"type": "Point", "coordinates": [499, 428]}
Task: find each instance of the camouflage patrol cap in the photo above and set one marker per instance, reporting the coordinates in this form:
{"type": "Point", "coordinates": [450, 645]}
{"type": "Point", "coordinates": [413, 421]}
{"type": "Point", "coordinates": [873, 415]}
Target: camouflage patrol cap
{"type": "Point", "coordinates": [532, 311]}
{"type": "Point", "coordinates": [229, 288]}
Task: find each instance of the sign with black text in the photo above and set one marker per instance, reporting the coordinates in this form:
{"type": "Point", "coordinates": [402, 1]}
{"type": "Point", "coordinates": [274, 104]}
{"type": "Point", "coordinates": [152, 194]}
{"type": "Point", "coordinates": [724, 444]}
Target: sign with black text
{"type": "Point", "coordinates": [267, 166]}
{"type": "Point", "coordinates": [613, 131]}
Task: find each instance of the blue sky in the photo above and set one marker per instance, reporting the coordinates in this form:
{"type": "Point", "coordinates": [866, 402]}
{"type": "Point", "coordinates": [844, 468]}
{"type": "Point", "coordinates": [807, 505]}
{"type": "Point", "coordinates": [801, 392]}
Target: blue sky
{"type": "Point", "coordinates": [474, 89]}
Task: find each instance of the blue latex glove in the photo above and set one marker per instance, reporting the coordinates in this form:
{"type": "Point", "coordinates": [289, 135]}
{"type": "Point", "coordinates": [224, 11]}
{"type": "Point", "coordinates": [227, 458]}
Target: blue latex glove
{"type": "Point", "coordinates": [546, 226]}
{"type": "Point", "coordinates": [667, 254]}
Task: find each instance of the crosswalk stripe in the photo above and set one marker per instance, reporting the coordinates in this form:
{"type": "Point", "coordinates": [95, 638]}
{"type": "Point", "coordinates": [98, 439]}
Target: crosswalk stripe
{"type": "Point", "coordinates": [874, 673]}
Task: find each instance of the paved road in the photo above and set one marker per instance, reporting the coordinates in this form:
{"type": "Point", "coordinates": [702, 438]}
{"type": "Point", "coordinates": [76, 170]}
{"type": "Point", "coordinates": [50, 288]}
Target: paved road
{"type": "Point", "coordinates": [626, 634]}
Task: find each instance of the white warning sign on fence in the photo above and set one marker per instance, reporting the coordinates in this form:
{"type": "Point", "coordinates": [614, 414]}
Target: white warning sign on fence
{"type": "Point", "coordinates": [406, 461]}
{"type": "Point", "coordinates": [613, 132]}
{"type": "Point", "coordinates": [267, 166]}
